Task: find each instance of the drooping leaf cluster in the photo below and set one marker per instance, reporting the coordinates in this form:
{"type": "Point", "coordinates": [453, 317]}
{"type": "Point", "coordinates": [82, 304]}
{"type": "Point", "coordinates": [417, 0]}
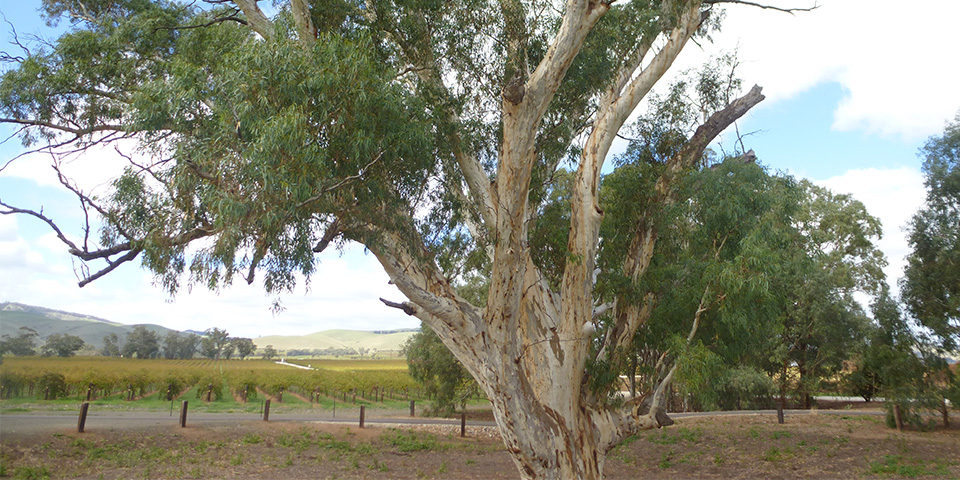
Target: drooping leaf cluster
{"type": "Point", "coordinates": [260, 142]}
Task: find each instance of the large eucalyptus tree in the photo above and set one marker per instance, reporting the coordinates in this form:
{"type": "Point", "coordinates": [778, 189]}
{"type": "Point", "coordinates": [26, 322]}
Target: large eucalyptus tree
{"type": "Point", "coordinates": [427, 130]}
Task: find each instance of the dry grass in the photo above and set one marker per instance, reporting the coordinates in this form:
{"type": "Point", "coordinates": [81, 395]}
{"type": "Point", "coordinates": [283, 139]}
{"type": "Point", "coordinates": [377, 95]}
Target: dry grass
{"type": "Point", "coordinates": [741, 447]}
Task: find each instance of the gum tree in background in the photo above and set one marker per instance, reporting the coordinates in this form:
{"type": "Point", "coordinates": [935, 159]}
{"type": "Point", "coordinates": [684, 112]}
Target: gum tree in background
{"type": "Point", "coordinates": [215, 343]}
{"type": "Point", "coordinates": [22, 345]}
{"type": "Point", "coordinates": [244, 347]}
{"type": "Point", "coordinates": [427, 131]}
{"type": "Point", "coordinates": [142, 343]}
{"type": "Point", "coordinates": [62, 345]}
{"type": "Point", "coordinates": [931, 286]}
{"type": "Point", "coordinates": [444, 379]}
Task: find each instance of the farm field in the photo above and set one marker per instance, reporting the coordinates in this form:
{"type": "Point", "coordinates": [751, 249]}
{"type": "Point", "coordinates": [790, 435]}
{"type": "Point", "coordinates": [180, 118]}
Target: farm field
{"type": "Point", "coordinates": [224, 385]}
{"type": "Point", "coordinates": [737, 447]}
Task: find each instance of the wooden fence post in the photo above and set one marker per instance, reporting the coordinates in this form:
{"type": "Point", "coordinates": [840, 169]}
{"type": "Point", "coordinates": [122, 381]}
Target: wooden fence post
{"type": "Point", "coordinates": [897, 418]}
{"type": "Point", "coordinates": [82, 422]}
{"type": "Point", "coordinates": [183, 415]}
{"type": "Point", "coordinates": [413, 408]}
{"type": "Point", "coordinates": [266, 410]}
{"type": "Point", "coordinates": [463, 424]}
{"type": "Point", "coordinates": [362, 412]}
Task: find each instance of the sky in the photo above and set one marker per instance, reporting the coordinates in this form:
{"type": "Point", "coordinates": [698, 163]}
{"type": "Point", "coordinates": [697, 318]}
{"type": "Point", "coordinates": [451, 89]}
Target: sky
{"type": "Point", "coordinates": [853, 89]}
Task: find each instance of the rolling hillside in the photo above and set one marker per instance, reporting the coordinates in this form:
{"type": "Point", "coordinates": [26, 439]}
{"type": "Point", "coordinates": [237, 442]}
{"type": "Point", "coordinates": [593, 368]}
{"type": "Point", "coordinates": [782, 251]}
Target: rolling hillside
{"type": "Point", "coordinates": [385, 341]}
{"type": "Point", "coordinates": [47, 322]}
{"type": "Point", "coordinates": [92, 330]}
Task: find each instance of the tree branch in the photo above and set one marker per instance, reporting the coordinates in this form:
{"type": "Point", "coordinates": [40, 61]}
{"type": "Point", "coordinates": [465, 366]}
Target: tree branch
{"type": "Point", "coordinates": [767, 7]}
{"type": "Point", "coordinates": [306, 31]}
{"type": "Point", "coordinates": [331, 232]}
{"type": "Point", "coordinates": [258, 21]}
{"type": "Point", "coordinates": [407, 307]}
{"type": "Point", "coordinates": [78, 132]}
{"type": "Point", "coordinates": [215, 21]}
{"type": "Point", "coordinates": [111, 265]}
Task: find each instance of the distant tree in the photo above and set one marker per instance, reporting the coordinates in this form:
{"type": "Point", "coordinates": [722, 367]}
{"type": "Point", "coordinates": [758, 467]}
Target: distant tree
{"type": "Point", "coordinates": [189, 344]}
{"type": "Point", "coordinates": [931, 284]}
{"type": "Point", "coordinates": [228, 350]}
{"type": "Point", "coordinates": [244, 346]}
{"type": "Point", "coordinates": [142, 343]}
{"type": "Point", "coordinates": [22, 345]}
{"type": "Point", "coordinates": [831, 258]}
{"type": "Point", "coordinates": [268, 352]}
{"type": "Point", "coordinates": [176, 345]}
{"type": "Point", "coordinates": [62, 345]}
{"type": "Point", "coordinates": [171, 345]}
{"type": "Point", "coordinates": [431, 364]}
{"type": "Point", "coordinates": [213, 343]}
{"type": "Point", "coordinates": [111, 346]}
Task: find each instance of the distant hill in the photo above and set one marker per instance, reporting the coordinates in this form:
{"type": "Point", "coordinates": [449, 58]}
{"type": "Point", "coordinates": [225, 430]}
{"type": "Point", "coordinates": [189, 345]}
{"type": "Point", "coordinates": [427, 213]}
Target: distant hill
{"type": "Point", "coordinates": [381, 341]}
{"type": "Point", "coordinates": [91, 329]}
{"type": "Point", "coordinates": [47, 321]}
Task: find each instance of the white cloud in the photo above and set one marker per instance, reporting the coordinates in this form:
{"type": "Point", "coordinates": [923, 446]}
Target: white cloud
{"type": "Point", "coordinates": [893, 196]}
{"type": "Point", "coordinates": [92, 171]}
{"type": "Point", "coordinates": [894, 61]}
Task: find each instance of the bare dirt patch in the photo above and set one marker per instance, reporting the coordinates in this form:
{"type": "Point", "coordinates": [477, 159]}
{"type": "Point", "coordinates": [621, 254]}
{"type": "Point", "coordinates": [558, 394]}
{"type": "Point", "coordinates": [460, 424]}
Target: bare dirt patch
{"type": "Point", "coordinates": [741, 447]}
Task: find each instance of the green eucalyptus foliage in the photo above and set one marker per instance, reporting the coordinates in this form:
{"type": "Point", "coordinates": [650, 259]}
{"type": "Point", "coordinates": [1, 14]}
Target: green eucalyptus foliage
{"type": "Point", "coordinates": [931, 285]}
{"type": "Point", "coordinates": [262, 142]}
{"type": "Point", "coordinates": [901, 366]}
{"type": "Point", "coordinates": [444, 379]}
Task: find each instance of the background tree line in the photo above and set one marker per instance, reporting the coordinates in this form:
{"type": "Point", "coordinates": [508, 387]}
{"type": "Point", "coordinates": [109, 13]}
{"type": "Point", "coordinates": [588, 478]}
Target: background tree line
{"type": "Point", "coordinates": [24, 343]}
{"type": "Point", "coordinates": [144, 343]}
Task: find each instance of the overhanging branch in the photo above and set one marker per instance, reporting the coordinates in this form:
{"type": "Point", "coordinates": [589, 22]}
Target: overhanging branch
{"type": "Point", "coordinates": [760, 5]}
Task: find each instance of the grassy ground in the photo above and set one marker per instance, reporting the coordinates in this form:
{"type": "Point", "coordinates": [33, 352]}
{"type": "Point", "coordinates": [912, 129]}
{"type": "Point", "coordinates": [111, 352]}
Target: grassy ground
{"type": "Point", "coordinates": [743, 447]}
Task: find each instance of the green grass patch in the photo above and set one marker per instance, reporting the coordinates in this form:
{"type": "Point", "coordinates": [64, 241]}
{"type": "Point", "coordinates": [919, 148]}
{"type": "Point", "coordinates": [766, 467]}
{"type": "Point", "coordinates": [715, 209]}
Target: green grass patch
{"type": "Point", "coordinates": [31, 473]}
{"type": "Point", "coordinates": [898, 466]}
{"type": "Point", "coordinates": [776, 454]}
{"type": "Point", "coordinates": [409, 441]}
